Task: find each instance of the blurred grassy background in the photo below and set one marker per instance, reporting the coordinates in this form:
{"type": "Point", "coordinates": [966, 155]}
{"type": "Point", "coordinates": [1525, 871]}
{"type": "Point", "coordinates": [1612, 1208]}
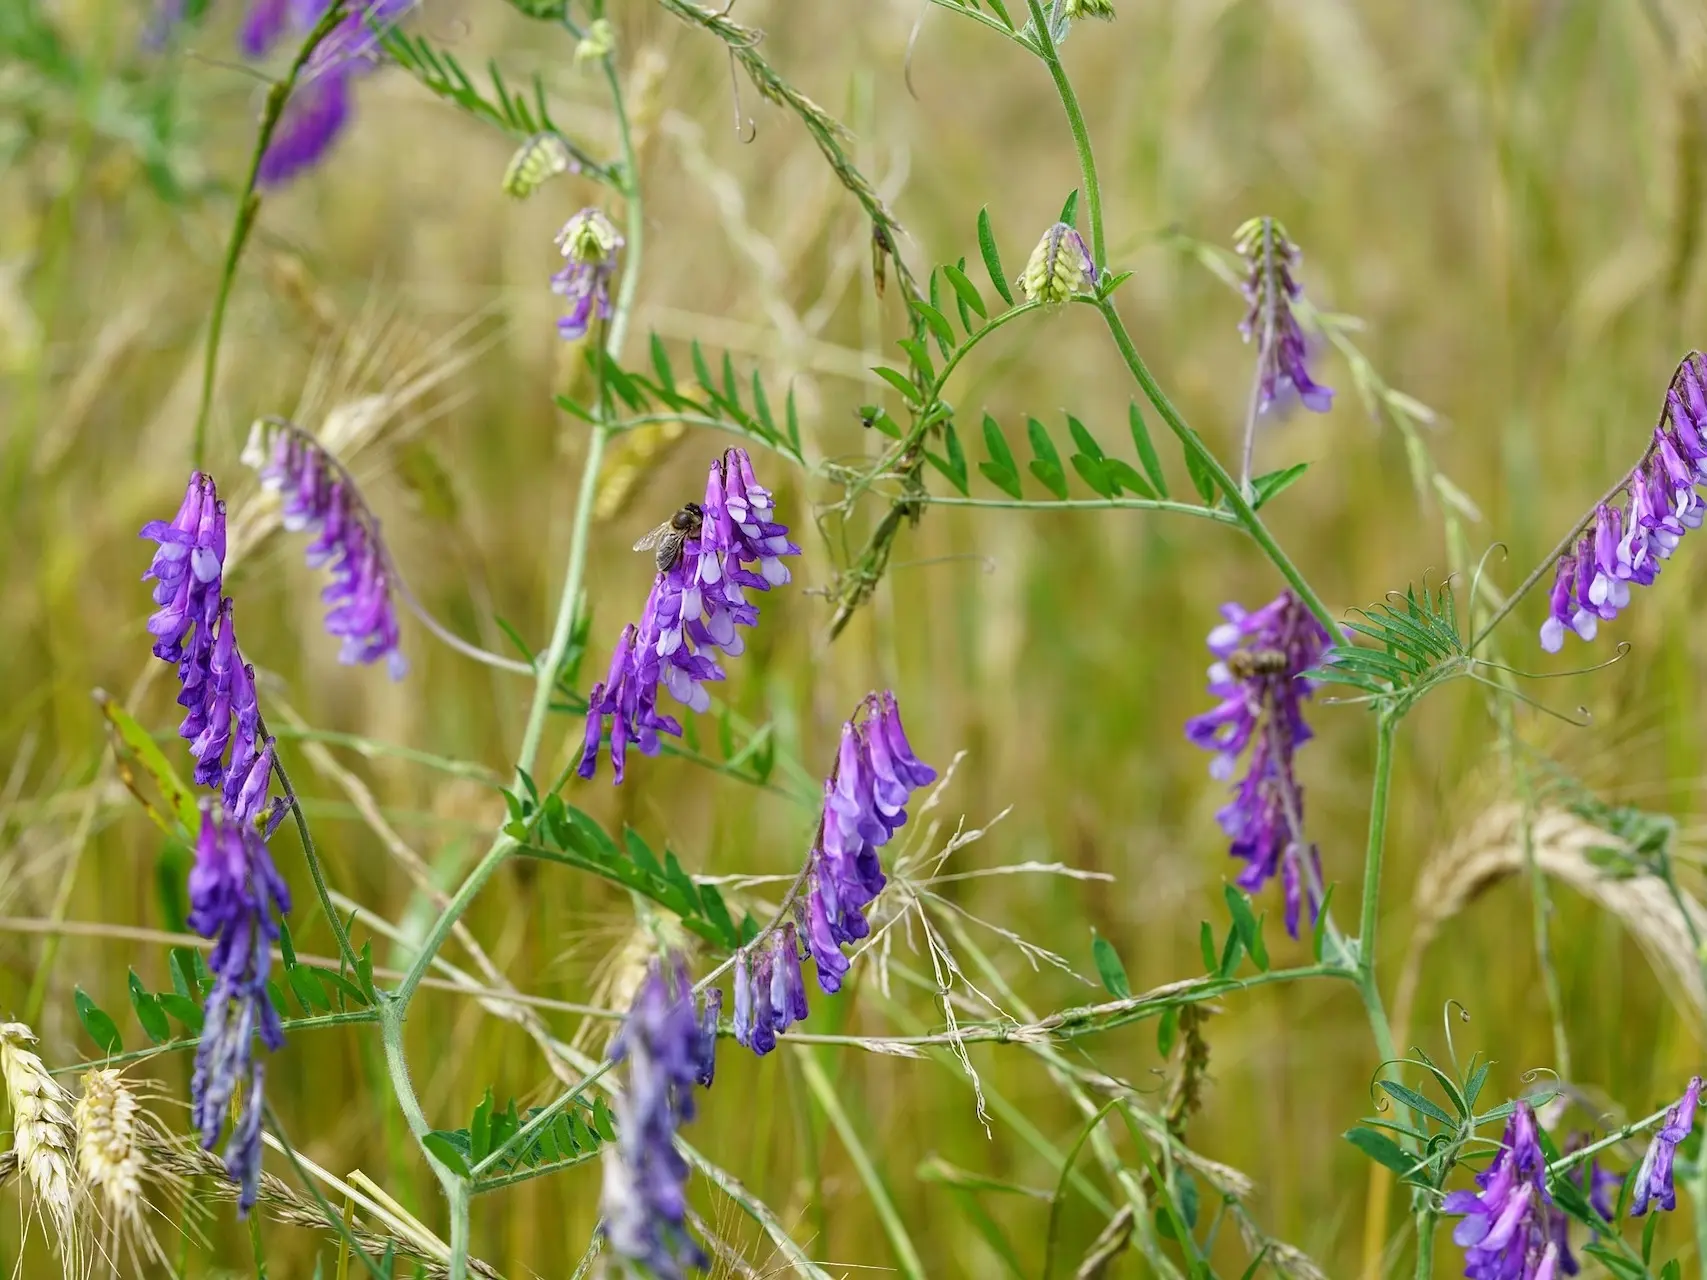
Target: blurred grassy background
{"type": "Point", "coordinates": [1510, 196]}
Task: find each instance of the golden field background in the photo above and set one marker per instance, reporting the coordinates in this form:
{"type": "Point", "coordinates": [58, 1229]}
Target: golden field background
{"type": "Point", "coordinates": [1510, 196]}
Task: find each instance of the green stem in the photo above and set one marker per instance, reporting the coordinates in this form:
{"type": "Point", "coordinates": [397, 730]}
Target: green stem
{"type": "Point", "coordinates": [1425, 1242]}
{"type": "Point", "coordinates": [316, 871]}
{"type": "Point", "coordinates": [1540, 912]}
{"type": "Point", "coordinates": [1193, 444]}
{"type": "Point", "coordinates": [291, 1025]}
{"type": "Point", "coordinates": [1076, 122]}
{"type": "Point", "coordinates": [1089, 504]}
{"type": "Point", "coordinates": [545, 684]}
{"type": "Point", "coordinates": [256, 1248]}
{"type": "Point", "coordinates": [248, 205]}
{"type": "Point", "coordinates": [1385, 728]}
{"type": "Point", "coordinates": [465, 894]}
{"type": "Point", "coordinates": [455, 1188]}
{"type": "Point", "coordinates": [1189, 439]}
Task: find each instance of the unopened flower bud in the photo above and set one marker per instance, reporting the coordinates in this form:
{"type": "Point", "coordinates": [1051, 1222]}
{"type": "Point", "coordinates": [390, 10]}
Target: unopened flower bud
{"type": "Point", "coordinates": [597, 43]}
{"type": "Point", "coordinates": [1059, 267]}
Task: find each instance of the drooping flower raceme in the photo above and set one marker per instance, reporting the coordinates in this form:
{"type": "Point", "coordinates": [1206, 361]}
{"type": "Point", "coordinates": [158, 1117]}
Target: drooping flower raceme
{"type": "Point", "coordinates": [669, 1047]}
{"type": "Point", "coordinates": [319, 497]}
{"type": "Point", "coordinates": [1271, 289]}
{"type": "Point", "coordinates": [865, 803]}
{"type": "Point", "coordinates": [1059, 267]}
{"type": "Point", "coordinates": [1258, 675]}
{"type": "Point", "coordinates": [236, 898]}
{"type": "Point", "coordinates": [236, 895]}
{"type": "Point", "coordinates": [590, 242]}
{"type": "Point", "coordinates": [1654, 1178]}
{"type": "Point", "coordinates": [1507, 1232]}
{"type": "Point", "coordinates": [1641, 523]}
{"type": "Point", "coordinates": [693, 611]}
{"type": "Point", "coordinates": [321, 101]}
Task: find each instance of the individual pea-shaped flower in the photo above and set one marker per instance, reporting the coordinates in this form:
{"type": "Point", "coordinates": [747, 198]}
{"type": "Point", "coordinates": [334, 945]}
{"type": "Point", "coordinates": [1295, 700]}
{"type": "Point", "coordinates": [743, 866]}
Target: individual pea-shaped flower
{"type": "Point", "coordinates": [1258, 675]}
{"type": "Point", "coordinates": [1272, 290]}
{"type": "Point", "coordinates": [590, 242]}
{"type": "Point", "coordinates": [317, 495]}
{"type": "Point", "coordinates": [667, 1050]}
{"type": "Point", "coordinates": [1654, 1182]}
{"type": "Point", "coordinates": [1059, 267]}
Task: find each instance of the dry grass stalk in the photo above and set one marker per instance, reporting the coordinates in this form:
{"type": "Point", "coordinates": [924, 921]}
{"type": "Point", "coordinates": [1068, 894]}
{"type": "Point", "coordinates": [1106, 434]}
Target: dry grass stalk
{"type": "Point", "coordinates": [1491, 850]}
{"type": "Point", "coordinates": [281, 1204]}
{"type": "Point", "coordinates": [43, 1140]}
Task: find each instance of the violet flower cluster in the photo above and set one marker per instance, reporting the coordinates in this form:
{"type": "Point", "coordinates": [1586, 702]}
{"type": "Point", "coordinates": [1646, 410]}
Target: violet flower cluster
{"type": "Point", "coordinates": [1258, 675]}
{"type": "Point", "coordinates": [590, 243]}
{"type": "Point", "coordinates": [1625, 544]}
{"type": "Point", "coordinates": [193, 628]}
{"type": "Point", "coordinates": [236, 898]}
{"type": "Point", "coordinates": [1511, 1230]}
{"type": "Point", "coordinates": [692, 611]}
{"type": "Point", "coordinates": [1654, 1182]}
{"type": "Point", "coordinates": [321, 102]}
{"type": "Point", "coordinates": [319, 497]}
{"type": "Point", "coordinates": [669, 1047]}
{"type": "Point", "coordinates": [1271, 288]}
{"type": "Point", "coordinates": [236, 895]}
{"type": "Point", "coordinates": [865, 803]}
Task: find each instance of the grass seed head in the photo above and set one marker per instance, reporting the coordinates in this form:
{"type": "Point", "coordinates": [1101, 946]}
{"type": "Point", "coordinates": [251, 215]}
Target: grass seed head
{"type": "Point", "coordinates": [43, 1139]}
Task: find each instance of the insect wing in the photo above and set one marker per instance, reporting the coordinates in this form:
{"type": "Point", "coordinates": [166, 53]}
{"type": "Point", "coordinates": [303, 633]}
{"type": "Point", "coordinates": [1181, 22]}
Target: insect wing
{"type": "Point", "coordinates": [655, 537]}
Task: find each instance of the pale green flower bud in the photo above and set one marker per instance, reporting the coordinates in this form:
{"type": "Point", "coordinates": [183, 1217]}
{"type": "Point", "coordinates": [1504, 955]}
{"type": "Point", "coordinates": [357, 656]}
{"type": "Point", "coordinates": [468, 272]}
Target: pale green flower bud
{"type": "Point", "coordinates": [597, 43]}
{"type": "Point", "coordinates": [1059, 267]}
{"type": "Point", "coordinates": [540, 158]}
{"type": "Point", "coordinates": [1087, 9]}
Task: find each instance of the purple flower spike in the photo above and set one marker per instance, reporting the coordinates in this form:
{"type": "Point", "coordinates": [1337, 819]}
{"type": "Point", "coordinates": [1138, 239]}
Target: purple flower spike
{"type": "Point", "coordinates": [1639, 527]}
{"type": "Point", "coordinates": [644, 1201]}
{"type": "Point", "coordinates": [236, 898]}
{"type": "Point", "coordinates": [194, 629]}
{"type": "Point", "coordinates": [1654, 1177]}
{"type": "Point", "coordinates": [692, 612]}
{"type": "Point", "coordinates": [317, 495]}
{"type": "Point", "coordinates": [590, 242]}
{"type": "Point", "coordinates": [1271, 289]}
{"type": "Point", "coordinates": [320, 103]}
{"type": "Point", "coordinates": [1508, 1231]}
{"type": "Point", "coordinates": [1258, 675]}
{"type": "Point", "coordinates": [865, 800]}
